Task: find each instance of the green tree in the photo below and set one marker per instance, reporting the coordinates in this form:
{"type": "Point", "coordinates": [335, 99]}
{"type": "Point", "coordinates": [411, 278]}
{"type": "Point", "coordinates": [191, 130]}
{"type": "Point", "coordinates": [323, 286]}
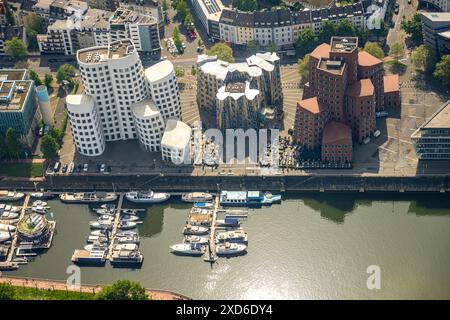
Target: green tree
{"type": "Point", "coordinates": [306, 42]}
{"type": "Point", "coordinates": [442, 70]}
{"type": "Point", "coordinates": [34, 76]}
{"type": "Point", "coordinates": [179, 72]}
{"type": "Point", "coordinates": [56, 134]}
{"type": "Point", "coordinates": [13, 142]}
{"type": "Point", "coordinates": [193, 70]}
{"type": "Point", "coordinates": [165, 5]}
{"type": "Point", "coordinates": [200, 42]}
{"type": "Point", "coordinates": [49, 146]}
{"type": "Point", "coordinates": [181, 9]}
{"type": "Point", "coordinates": [413, 28]}
{"type": "Point", "coordinates": [122, 290]}
{"type": "Point", "coordinates": [397, 50]}
{"type": "Point", "coordinates": [7, 291]}
{"type": "Point", "coordinates": [423, 58]}
{"type": "Point", "coordinates": [272, 47]}
{"type": "Point", "coordinates": [188, 21]}
{"type": "Point", "coordinates": [48, 79]}
{"type": "Point", "coordinates": [252, 46]}
{"type": "Point", "coordinates": [21, 64]}
{"type": "Point", "coordinates": [328, 30]}
{"type": "Point", "coordinates": [374, 49]}
{"type": "Point", "coordinates": [345, 29]}
{"type": "Point", "coordinates": [176, 39]}
{"type": "Point", "coordinates": [65, 72]}
{"type": "Point", "coordinates": [222, 51]}
{"type": "Point", "coordinates": [303, 67]}
{"type": "Point", "coordinates": [245, 5]}
{"type": "Point", "coordinates": [8, 14]}
{"type": "Point", "coordinates": [16, 48]}
{"type": "Point", "coordinates": [34, 26]}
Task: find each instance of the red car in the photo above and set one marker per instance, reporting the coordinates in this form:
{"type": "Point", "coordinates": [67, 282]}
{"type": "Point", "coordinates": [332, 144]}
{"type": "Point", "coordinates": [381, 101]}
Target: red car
{"type": "Point", "coordinates": [192, 35]}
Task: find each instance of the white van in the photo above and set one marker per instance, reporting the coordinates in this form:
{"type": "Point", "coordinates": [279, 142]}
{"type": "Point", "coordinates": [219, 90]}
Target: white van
{"type": "Point", "coordinates": [377, 133]}
{"type": "Point", "coordinates": [366, 140]}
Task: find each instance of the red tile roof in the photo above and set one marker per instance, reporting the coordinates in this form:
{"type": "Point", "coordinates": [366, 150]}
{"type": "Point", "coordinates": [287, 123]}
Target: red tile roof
{"type": "Point", "coordinates": [366, 59]}
{"type": "Point", "coordinates": [312, 105]}
{"type": "Point", "coordinates": [391, 83]}
{"type": "Point", "coordinates": [321, 51]}
{"type": "Point", "coordinates": [336, 133]}
{"type": "Point", "coordinates": [361, 88]}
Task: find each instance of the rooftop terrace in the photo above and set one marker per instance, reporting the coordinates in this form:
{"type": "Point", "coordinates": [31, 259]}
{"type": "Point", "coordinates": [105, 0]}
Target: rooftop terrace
{"type": "Point", "coordinates": [344, 44]}
{"type": "Point", "coordinates": [115, 50]}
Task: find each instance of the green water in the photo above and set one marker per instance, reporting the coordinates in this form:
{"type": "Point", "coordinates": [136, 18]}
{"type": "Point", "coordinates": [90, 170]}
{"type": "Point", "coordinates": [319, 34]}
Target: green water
{"type": "Point", "coordinates": [308, 247]}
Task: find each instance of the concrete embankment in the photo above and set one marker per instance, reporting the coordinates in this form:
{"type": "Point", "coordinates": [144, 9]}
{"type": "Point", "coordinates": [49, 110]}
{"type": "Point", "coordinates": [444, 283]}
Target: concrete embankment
{"type": "Point", "coordinates": [305, 183]}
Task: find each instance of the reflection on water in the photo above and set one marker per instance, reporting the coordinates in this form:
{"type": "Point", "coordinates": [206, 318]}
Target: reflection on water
{"type": "Point", "coordinates": [309, 246]}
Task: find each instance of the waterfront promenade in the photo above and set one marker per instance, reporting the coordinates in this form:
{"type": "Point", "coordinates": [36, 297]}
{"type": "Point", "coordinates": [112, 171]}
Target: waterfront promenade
{"type": "Point", "coordinates": [46, 284]}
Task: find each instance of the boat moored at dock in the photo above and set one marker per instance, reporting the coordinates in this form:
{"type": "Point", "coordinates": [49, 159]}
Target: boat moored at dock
{"type": "Point", "coordinates": [126, 258]}
{"type": "Point", "coordinates": [191, 249]}
{"type": "Point", "coordinates": [196, 239]}
{"type": "Point", "coordinates": [203, 205]}
{"type": "Point", "coordinates": [235, 236]}
{"type": "Point", "coordinates": [147, 196]}
{"type": "Point", "coordinates": [230, 249]}
{"type": "Point", "coordinates": [194, 230]}
{"type": "Point", "coordinates": [11, 195]}
{"type": "Point", "coordinates": [85, 257]}
{"type": "Point", "coordinates": [5, 236]}
{"type": "Point", "coordinates": [88, 197]}
{"type": "Point", "coordinates": [196, 197]}
{"type": "Point", "coordinates": [228, 222]}
{"type": "Point", "coordinates": [7, 227]}
{"type": "Point", "coordinates": [247, 198]}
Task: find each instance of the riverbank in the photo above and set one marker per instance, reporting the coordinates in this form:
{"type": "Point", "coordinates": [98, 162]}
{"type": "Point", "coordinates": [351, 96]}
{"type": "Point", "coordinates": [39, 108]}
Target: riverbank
{"type": "Point", "coordinates": [60, 289]}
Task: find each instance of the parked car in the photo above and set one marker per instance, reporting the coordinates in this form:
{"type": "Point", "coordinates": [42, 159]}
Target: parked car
{"type": "Point", "coordinates": [377, 133]}
{"type": "Point", "coordinates": [64, 168]}
{"type": "Point", "coordinates": [78, 168]}
{"type": "Point", "coordinates": [71, 168]}
{"type": "Point", "coordinates": [381, 114]}
{"type": "Point", "coordinates": [103, 168]}
{"type": "Point", "coordinates": [57, 166]}
{"type": "Point", "coordinates": [85, 167]}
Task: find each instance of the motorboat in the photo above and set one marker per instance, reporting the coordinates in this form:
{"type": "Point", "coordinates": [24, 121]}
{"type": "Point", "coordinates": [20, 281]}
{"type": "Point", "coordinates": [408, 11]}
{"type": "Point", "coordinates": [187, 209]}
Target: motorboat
{"type": "Point", "coordinates": [7, 227]}
{"type": "Point", "coordinates": [99, 239]}
{"type": "Point", "coordinates": [194, 230]}
{"type": "Point", "coordinates": [129, 212]}
{"type": "Point", "coordinates": [203, 205]}
{"type": "Point", "coordinates": [108, 206]}
{"type": "Point", "coordinates": [123, 225]}
{"type": "Point", "coordinates": [235, 236]}
{"type": "Point", "coordinates": [229, 249]}
{"type": "Point", "coordinates": [96, 246]}
{"type": "Point", "coordinates": [42, 195]}
{"type": "Point", "coordinates": [103, 211]}
{"type": "Point", "coordinates": [196, 239]}
{"type": "Point", "coordinates": [106, 217]}
{"type": "Point", "coordinates": [10, 208]}
{"type": "Point", "coordinates": [126, 234]}
{"type": "Point", "coordinates": [100, 224]}
{"type": "Point", "coordinates": [88, 197]}
{"type": "Point", "coordinates": [147, 196]}
{"type": "Point", "coordinates": [128, 239]}
{"type": "Point", "coordinates": [8, 215]}
{"type": "Point", "coordinates": [126, 258]}
{"type": "Point", "coordinates": [103, 233]}
{"type": "Point", "coordinates": [39, 203]}
{"type": "Point", "coordinates": [247, 198]}
{"type": "Point", "coordinates": [129, 218]}
{"type": "Point", "coordinates": [197, 197]}
{"type": "Point", "coordinates": [126, 246]}
{"type": "Point", "coordinates": [191, 249]}
{"type": "Point", "coordinates": [85, 257]}
{"type": "Point", "coordinates": [4, 236]}
{"type": "Point", "coordinates": [39, 209]}
{"type": "Point", "coordinates": [10, 195]}
{"type": "Point", "coordinates": [228, 222]}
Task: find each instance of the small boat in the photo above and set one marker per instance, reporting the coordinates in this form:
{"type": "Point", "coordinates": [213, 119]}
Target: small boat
{"type": "Point", "coordinates": [108, 206]}
{"type": "Point", "coordinates": [126, 258]}
{"type": "Point", "coordinates": [191, 249]}
{"type": "Point", "coordinates": [99, 239]}
{"type": "Point", "coordinates": [106, 217]}
{"type": "Point", "coordinates": [103, 211]}
{"type": "Point", "coordinates": [228, 222]}
{"type": "Point", "coordinates": [39, 209]}
{"type": "Point", "coordinates": [129, 218]}
{"type": "Point", "coordinates": [229, 249]}
{"type": "Point", "coordinates": [126, 246]}
{"type": "Point", "coordinates": [8, 215]}
{"type": "Point", "coordinates": [123, 225]}
{"type": "Point", "coordinates": [42, 195]}
{"type": "Point", "coordinates": [100, 225]}
{"type": "Point", "coordinates": [96, 246]}
{"type": "Point", "coordinates": [4, 236]}
{"type": "Point", "coordinates": [87, 197]}
{"type": "Point", "coordinates": [126, 234]}
{"type": "Point", "coordinates": [203, 205]}
{"type": "Point", "coordinates": [147, 196]}
{"type": "Point", "coordinates": [10, 195]}
{"type": "Point", "coordinates": [196, 239]}
{"type": "Point", "coordinates": [194, 230]}
{"type": "Point", "coordinates": [130, 212]}
{"type": "Point", "coordinates": [39, 203]}
{"type": "Point", "coordinates": [128, 239]}
{"type": "Point", "coordinates": [103, 233]}
{"type": "Point", "coordinates": [85, 257]}
{"type": "Point", "coordinates": [23, 260]}
{"type": "Point", "coordinates": [7, 227]}
{"type": "Point", "coordinates": [196, 197]}
{"type": "Point", "coordinates": [237, 236]}
{"type": "Point", "coordinates": [13, 209]}
{"type": "Point", "coordinates": [247, 198]}
{"type": "Point", "coordinates": [7, 266]}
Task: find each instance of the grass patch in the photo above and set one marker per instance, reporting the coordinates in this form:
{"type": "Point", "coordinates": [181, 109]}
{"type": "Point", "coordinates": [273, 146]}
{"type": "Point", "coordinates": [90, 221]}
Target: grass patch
{"type": "Point", "coordinates": [22, 169]}
{"type": "Point", "coordinates": [40, 294]}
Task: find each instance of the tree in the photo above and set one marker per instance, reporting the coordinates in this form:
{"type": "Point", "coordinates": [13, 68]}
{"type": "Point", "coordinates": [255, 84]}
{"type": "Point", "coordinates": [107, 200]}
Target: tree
{"type": "Point", "coordinates": [8, 14]}
{"type": "Point", "coordinates": [176, 39]}
{"type": "Point", "coordinates": [413, 28]}
{"type": "Point", "coordinates": [122, 290]}
{"type": "Point", "coordinates": [272, 47]}
{"type": "Point", "coordinates": [7, 291]}
{"type": "Point", "coordinates": [345, 29]}
{"type": "Point", "coordinates": [34, 76]}
{"type": "Point", "coordinates": [34, 26]}
{"type": "Point", "coordinates": [21, 64]}
{"type": "Point", "coordinates": [65, 72]}
{"type": "Point", "coordinates": [222, 51]}
{"type": "Point", "coordinates": [48, 79]}
{"type": "Point", "coordinates": [306, 42]}
{"type": "Point", "coordinates": [328, 30]}
{"type": "Point", "coordinates": [252, 46]}
{"type": "Point", "coordinates": [179, 72]}
{"type": "Point", "coordinates": [181, 9]}
{"type": "Point", "coordinates": [165, 5]}
{"type": "Point", "coordinates": [442, 70]}
{"type": "Point", "coordinates": [303, 67]}
{"type": "Point", "coordinates": [193, 70]}
{"type": "Point", "coordinates": [188, 21]}
{"type": "Point", "coordinates": [374, 49]}
{"type": "Point", "coordinates": [423, 58]}
{"type": "Point", "coordinates": [13, 142]}
{"type": "Point", "coordinates": [56, 134]}
{"type": "Point", "coordinates": [49, 146]}
{"type": "Point", "coordinates": [245, 5]}
{"type": "Point", "coordinates": [397, 50]}
{"type": "Point", "coordinates": [16, 48]}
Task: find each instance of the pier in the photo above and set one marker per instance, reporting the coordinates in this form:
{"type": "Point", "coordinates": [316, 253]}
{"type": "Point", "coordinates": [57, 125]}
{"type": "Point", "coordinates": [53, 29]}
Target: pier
{"type": "Point", "coordinates": [14, 240]}
{"type": "Point", "coordinates": [115, 226]}
{"type": "Point", "coordinates": [210, 254]}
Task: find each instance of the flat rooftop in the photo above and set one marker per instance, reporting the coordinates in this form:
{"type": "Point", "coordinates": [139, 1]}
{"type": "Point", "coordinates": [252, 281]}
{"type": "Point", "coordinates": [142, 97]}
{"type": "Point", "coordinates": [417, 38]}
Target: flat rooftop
{"type": "Point", "coordinates": [115, 50]}
{"type": "Point", "coordinates": [12, 74]}
{"type": "Point", "coordinates": [437, 16]}
{"type": "Point", "coordinates": [13, 94]}
{"type": "Point", "coordinates": [235, 87]}
{"type": "Point", "coordinates": [332, 66]}
{"type": "Point", "coordinates": [123, 15]}
{"type": "Point", "coordinates": [441, 119]}
{"type": "Point", "coordinates": [344, 44]}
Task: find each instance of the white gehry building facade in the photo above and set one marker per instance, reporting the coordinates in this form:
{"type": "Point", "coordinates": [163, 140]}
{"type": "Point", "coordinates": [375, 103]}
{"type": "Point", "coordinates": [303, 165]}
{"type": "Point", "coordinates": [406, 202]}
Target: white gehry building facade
{"type": "Point", "coordinates": [86, 125]}
{"type": "Point", "coordinates": [163, 88]}
{"type": "Point", "coordinates": [176, 142]}
{"type": "Point", "coordinates": [149, 124]}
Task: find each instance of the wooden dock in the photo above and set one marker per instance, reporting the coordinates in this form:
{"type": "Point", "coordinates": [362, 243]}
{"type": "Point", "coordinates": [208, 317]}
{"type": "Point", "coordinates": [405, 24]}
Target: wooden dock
{"type": "Point", "coordinates": [210, 254]}
{"type": "Point", "coordinates": [115, 226]}
{"type": "Point", "coordinates": [12, 249]}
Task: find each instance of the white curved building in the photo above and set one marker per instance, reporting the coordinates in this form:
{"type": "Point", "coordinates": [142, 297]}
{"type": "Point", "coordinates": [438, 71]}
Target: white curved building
{"type": "Point", "coordinates": [86, 125]}
{"type": "Point", "coordinates": [163, 88]}
{"type": "Point", "coordinates": [176, 142]}
{"type": "Point", "coordinates": [149, 124]}
{"type": "Point", "coordinates": [113, 75]}
{"type": "Point", "coordinates": [44, 105]}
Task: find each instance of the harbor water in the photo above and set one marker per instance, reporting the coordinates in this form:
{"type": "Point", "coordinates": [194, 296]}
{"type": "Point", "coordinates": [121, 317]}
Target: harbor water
{"type": "Point", "coordinates": [307, 247]}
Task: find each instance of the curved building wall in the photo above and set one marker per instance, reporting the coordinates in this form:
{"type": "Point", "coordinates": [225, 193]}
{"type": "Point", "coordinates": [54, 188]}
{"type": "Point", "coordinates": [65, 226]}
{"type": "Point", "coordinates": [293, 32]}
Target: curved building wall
{"type": "Point", "coordinates": [149, 125]}
{"type": "Point", "coordinates": [44, 105]}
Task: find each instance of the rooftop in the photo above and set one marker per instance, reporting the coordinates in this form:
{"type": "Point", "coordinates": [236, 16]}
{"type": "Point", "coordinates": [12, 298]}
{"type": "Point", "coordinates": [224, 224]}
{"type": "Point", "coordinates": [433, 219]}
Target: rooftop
{"type": "Point", "coordinates": [79, 101]}
{"type": "Point", "coordinates": [344, 44]}
{"type": "Point", "coordinates": [332, 66]}
{"type": "Point", "coordinates": [115, 50]}
{"type": "Point", "coordinates": [312, 105]}
{"type": "Point", "coordinates": [321, 51]}
{"type": "Point", "coordinates": [13, 94]}
{"type": "Point", "coordinates": [437, 16]}
{"type": "Point", "coordinates": [159, 70]}
{"type": "Point", "coordinates": [391, 83]}
{"type": "Point", "coordinates": [123, 15]}
{"type": "Point", "coordinates": [361, 88]}
{"type": "Point", "coordinates": [440, 119]}
{"type": "Point", "coordinates": [12, 74]}
{"type": "Point", "coordinates": [146, 109]}
{"type": "Point", "coordinates": [336, 133]}
{"type": "Point", "coordinates": [211, 8]}
{"type": "Point", "coordinates": [177, 134]}
{"type": "Point", "coordinates": [365, 59]}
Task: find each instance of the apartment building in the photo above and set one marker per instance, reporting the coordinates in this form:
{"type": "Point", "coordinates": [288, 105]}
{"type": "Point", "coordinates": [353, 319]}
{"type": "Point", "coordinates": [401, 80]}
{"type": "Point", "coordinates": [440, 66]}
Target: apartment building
{"type": "Point", "coordinates": [337, 143]}
{"type": "Point", "coordinates": [176, 142]}
{"type": "Point", "coordinates": [9, 32]}
{"type": "Point", "coordinates": [435, 27]}
{"type": "Point", "coordinates": [209, 12]}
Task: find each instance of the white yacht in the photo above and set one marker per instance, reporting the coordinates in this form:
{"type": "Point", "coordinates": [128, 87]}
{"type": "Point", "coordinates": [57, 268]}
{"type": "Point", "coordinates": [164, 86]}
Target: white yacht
{"type": "Point", "coordinates": [103, 233]}
{"type": "Point", "coordinates": [196, 197]}
{"type": "Point", "coordinates": [126, 246]}
{"type": "Point", "coordinates": [96, 246]}
{"type": "Point", "coordinates": [147, 196]}
{"type": "Point", "coordinates": [10, 208]}
{"type": "Point", "coordinates": [7, 227]}
{"type": "Point", "coordinates": [123, 225]}
{"type": "Point", "coordinates": [129, 218]}
{"type": "Point", "coordinates": [38, 203]}
{"type": "Point", "coordinates": [196, 239]}
{"type": "Point", "coordinates": [97, 239]}
{"type": "Point", "coordinates": [39, 209]}
{"type": "Point", "coordinates": [4, 236]}
{"type": "Point", "coordinates": [100, 224]}
{"type": "Point", "coordinates": [194, 230]}
{"type": "Point", "coordinates": [194, 249]}
{"type": "Point", "coordinates": [10, 195]}
{"type": "Point", "coordinates": [235, 236]}
{"type": "Point", "coordinates": [229, 249]}
{"type": "Point", "coordinates": [8, 215]}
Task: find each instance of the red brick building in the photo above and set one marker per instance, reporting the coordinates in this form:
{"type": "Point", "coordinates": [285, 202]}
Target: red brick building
{"type": "Point", "coordinates": [337, 143]}
{"type": "Point", "coordinates": [392, 91]}
{"type": "Point", "coordinates": [371, 68]}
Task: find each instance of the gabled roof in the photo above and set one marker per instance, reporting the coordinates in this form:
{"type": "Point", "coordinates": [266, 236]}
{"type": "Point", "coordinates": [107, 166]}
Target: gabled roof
{"type": "Point", "coordinates": [365, 59]}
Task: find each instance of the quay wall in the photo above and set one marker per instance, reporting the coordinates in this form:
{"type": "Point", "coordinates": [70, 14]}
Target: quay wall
{"type": "Point", "coordinates": [181, 183]}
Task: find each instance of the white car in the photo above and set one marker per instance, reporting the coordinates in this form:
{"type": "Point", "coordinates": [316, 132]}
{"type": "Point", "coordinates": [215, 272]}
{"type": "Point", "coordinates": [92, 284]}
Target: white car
{"type": "Point", "coordinates": [103, 168]}
{"type": "Point", "coordinates": [85, 167]}
{"type": "Point", "coordinates": [71, 168]}
{"type": "Point", "coordinates": [377, 133]}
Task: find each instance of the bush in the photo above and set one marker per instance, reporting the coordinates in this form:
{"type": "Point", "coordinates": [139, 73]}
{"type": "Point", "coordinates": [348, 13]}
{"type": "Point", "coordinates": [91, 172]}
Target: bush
{"type": "Point", "coordinates": [122, 290]}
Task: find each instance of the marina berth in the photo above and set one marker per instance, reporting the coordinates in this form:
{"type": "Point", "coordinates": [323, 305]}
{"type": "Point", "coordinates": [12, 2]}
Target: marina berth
{"type": "Point", "coordinates": [196, 197]}
{"type": "Point", "coordinates": [103, 233]}
{"type": "Point", "coordinates": [85, 257]}
{"type": "Point", "coordinates": [126, 234]}
{"type": "Point", "coordinates": [235, 236]}
{"type": "Point", "coordinates": [10, 195]}
{"type": "Point", "coordinates": [130, 212]}
{"type": "Point", "coordinates": [228, 222]}
{"type": "Point", "coordinates": [42, 195]}
{"type": "Point", "coordinates": [96, 246]}
{"type": "Point", "coordinates": [126, 246]}
{"type": "Point", "coordinates": [99, 239]}
{"type": "Point", "coordinates": [129, 218]}
{"type": "Point", "coordinates": [124, 225]}
{"type": "Point", "coordinates": [88, 197]}
{"type": "Point", "coordinates": [100, 224]}
{"type": "Point", "coordinates": [146, 197]}
{"type": "Point", "coordinates": [247, 198]}
{"type": "Point", "coordinates": [128, 239]}
{"type": "Point", "coordinates": [194, 230]}
{"type": "Point", "coordinates": [126, 258]}
{"type": "Point", "coordinates": [196, 239]}
{"type": "Point", "coordinates": [230, 249]}
{"type": "Point", "coordinates": [102, 211]}
{"type": "Point", "coordinates": [193, 249]}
